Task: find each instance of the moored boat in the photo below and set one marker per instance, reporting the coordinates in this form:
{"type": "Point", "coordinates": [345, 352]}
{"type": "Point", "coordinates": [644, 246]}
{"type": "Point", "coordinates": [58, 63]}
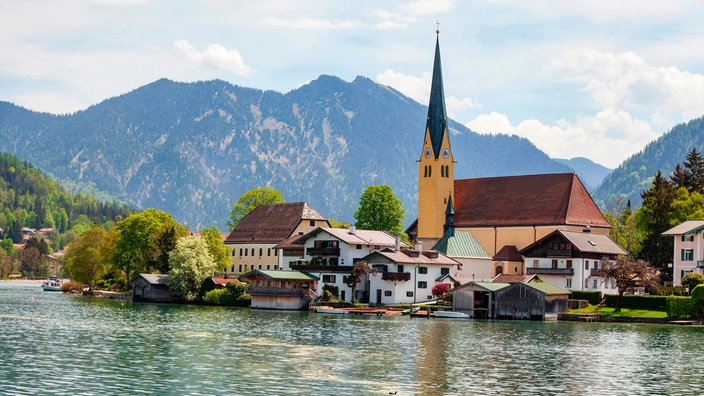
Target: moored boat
{"type": "Point", "coordinates": [330, 310]}
{"type": "Point", "coordinates": [52, 284]}
{"type": "Point", "coordinates": [451, 314]}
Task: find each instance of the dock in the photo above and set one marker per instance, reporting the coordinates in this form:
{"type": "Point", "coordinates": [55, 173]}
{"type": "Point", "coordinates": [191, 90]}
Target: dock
{"type": "Point", "coordinates": [366, 311]}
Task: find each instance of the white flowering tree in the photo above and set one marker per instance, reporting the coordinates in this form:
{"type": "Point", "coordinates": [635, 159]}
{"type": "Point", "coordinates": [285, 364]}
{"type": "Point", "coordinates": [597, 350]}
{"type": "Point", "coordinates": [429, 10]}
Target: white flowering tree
{"type": "Point", "coordinates": [190, 264]}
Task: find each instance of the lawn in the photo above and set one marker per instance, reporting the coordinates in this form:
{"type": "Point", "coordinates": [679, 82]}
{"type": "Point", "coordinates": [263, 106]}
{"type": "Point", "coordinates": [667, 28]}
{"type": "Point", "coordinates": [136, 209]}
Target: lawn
{"type": "Point", "coordinates": [630, 312]}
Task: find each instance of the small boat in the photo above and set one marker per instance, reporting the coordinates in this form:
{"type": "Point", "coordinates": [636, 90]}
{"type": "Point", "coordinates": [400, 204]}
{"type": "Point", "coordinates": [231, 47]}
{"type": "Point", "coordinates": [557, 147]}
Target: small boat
{"type": "Point", "coordinates": [451, 314]}
{"type": "Point", "coordinates": [52, 284]}
{"type": "Point", "coordinates": [330, 310]}
{"type": "Point", "coordinates": [407, 311]}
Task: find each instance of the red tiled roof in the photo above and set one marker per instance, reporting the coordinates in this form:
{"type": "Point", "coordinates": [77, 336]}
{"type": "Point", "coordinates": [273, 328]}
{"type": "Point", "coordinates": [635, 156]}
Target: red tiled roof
{"type": "Point", "coordinates": [525, 200]}
{"type": "Point", "coordinates": [225, 281]}
{"type": "Point", "coordinates": [271, 223]}
{"type": "Point", "coordinates": [508, 253]}
{"type": "Point", "coordinates": [414, 257]}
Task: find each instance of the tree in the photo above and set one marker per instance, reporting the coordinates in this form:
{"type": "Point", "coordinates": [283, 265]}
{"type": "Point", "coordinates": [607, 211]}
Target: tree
{"type": "Point", "coordinates": [691, 280]}
{"type": "Point", "coordinates": [679, 177]}
{"type": "Point", "coordinates": [440, 290]}
{"type": "Point", "coordinates": [694, 171]}
{"type": "Point", "coordinates": [88, 257]}
{"type": "Point", "coordinates": [628, 274]}
{"type": "Point", "coordinates": [250, 200]}
{"type": "Point", "coordinates": [379, 209]}
{"type": "Point", "coordinates": [217, 248]}
{"type": "Point", "coordinates": [654, 218]}
{"type": "Point", "coordinates": [134, 248]}
{"type": "Point", "coordinates": [162, 242]}
{"type": "Point", "coordinates": [15, 232]}
{"type": "Point", "coordinates": [359, 270]}
{"type": "Point", "coordinates": [191, 264]}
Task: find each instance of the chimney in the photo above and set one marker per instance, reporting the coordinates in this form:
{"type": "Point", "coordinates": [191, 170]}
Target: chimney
{"type": "Point", "coordinates": [353, 229]}
{"type": "Point", "coordinates": [398, 243]}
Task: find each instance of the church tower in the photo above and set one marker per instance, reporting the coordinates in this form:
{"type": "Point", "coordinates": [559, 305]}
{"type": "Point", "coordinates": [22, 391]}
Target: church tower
{"type": "Point", "coordinates": [436, 167]}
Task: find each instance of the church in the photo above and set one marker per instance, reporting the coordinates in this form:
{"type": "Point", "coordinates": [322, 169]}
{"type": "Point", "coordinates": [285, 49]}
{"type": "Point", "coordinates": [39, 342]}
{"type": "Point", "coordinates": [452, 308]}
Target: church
{"type": "Point", "coordinates": [503, 215]}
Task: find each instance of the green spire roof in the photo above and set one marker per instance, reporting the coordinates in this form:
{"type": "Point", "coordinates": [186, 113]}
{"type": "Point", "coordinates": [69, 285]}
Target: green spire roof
{"type": "Point", "coordinates": [437, 116]}
{"type": "Point", "coordinates": [461, 245]}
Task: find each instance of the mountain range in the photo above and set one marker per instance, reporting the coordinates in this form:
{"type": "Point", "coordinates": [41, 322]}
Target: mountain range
{"type": "Point", "coordinates": [192, 149]}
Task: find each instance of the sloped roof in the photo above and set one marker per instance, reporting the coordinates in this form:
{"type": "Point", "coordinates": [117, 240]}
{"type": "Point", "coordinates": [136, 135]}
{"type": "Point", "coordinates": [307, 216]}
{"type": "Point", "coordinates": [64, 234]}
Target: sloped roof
{"type": "Point", "coordinates": [508, 278]}
{"type": "Point", "coordinates": [461, 245]}
{"type": "Point", "coordinates": [585, 242]}
{"type": "Point", "coordinates": [547, 288]}
{"type": "Point", "coordinates": [225, 281]}
{"type": "Point", "coordinates": [547, 199]}
{"type": "Point", "coordinates": [281, 274]}
{"type": "Point", "coordinates": [155, 279]}
{"type": "Point", "coordinates": [358, 237]}
{"type": "Point", "coordinates": [409, 257]}
{"type": "Point", "coordinates": [436, 124]}
{"type": "Point", "coordinates": [508, 253]}
{"type": "Point", "coordinates": [272, 223]}
{"type": "Point", "coordinates": [688, 227]}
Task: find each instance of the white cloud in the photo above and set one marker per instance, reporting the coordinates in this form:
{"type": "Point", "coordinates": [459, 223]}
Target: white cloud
{"type": "Point", "coordinates": [607, 137]}
{"type": "Point", "coordinates": [311, 23]}
{"type": "Point", "coordinates": [625, 81]}
{"type": "Point", "coordinates": [429, 7]}
{"type": "Point", "coordinates": [214, 56]}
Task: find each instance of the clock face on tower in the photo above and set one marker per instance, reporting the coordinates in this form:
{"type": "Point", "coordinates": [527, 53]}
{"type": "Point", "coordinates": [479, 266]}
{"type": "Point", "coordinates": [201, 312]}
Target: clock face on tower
{"type": "Point", "coordinates": [427, 153]}
{"type": "Point", "coordinates": [445, 153]}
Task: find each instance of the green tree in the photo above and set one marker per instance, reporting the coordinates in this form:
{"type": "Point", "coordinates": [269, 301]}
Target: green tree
{"type": "Point", "coordinates": [217, 248]}
{"type": "Point", "coordinates": [694, 171]}
{"type": "Point", "coordinates": [250, 200]}
{"type": "Point", "coordinates": [7, 245]}
{"type": "Point", "coordinates": [133, 247]}
{"type": "Point", "coordinates": [379, 209]}
{"type": "Point", "coordinates": [15, 232]}
{"type": "Point", "coordinates": [654, 218]}
{"type": "Point", "coordinates": [191, 264]}
{"type": "Point", "coordinates": [161, 243]}
{"type": "Point", "coordinates": [89, 256]}
{"type": "Point", "coordinates": [692, 280]}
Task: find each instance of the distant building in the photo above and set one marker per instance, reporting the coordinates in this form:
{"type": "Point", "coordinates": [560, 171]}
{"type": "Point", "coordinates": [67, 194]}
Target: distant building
{"type": "Point", "coordinates": [689, 249]}
{"type": "Point", "coordinates": [153, 288]}
{"type": "Point", "coordinates": [292, 290]}
{"type": "Point", "coordinates": [253, 240]}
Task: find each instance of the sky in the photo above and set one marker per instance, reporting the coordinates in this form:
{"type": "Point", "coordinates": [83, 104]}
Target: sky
{"type": "Point", "coordinates": [598, 79]}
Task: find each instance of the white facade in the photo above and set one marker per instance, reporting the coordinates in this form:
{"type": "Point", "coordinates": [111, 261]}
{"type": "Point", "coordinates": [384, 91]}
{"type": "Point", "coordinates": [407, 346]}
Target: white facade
{"type": "Point", "coordinates": [688, 252]}
{"type": "Point", "coordinates": [571, 273]}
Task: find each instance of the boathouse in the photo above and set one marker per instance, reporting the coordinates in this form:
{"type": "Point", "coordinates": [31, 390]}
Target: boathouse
{"type": "Point", "coordinates": [531, 301]}
{"type": "Point", "coordinates": [153, 288]}
{"type": "Point", "coordinates": [280, 289]}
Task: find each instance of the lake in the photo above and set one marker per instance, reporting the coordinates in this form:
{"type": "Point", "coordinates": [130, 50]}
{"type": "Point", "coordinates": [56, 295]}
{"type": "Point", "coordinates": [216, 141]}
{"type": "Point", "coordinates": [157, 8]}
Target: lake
{"type": "Point", "coordinates": [51, 343]}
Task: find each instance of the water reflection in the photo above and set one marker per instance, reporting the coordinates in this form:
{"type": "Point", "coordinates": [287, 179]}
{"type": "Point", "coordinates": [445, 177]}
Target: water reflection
{"type": "Point", "coordinates": [52, 343]}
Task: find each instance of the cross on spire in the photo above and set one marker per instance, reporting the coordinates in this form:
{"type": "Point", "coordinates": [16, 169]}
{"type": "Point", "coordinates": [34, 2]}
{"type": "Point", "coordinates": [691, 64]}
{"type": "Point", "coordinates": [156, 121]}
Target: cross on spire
{"type": "Point", "coordinates": [437, 30]}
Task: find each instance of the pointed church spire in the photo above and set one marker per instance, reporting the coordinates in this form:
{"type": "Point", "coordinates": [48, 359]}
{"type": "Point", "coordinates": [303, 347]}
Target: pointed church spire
{"type": "Point", "coordinates": [437, 116]}
{"type": "Point", "coordinates": [449, 227]}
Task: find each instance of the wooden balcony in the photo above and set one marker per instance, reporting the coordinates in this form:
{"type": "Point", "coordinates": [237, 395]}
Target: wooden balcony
{"type": "Point", "coordinates": [322, 268]}
{"type": "Point", "coordinates": [396, 276]}
{"type": "Point", "coordinates": [550, 271]}
{"type": "Point", "coordinates": [324, 251]}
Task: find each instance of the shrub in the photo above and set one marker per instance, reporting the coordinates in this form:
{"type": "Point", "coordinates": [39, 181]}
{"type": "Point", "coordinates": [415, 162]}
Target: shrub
{"type": "Point", "coordinates": [668, 291]}
{"type": "Point", "coordinates": [333, 290]}
{"type": "Point", "coordinates": [692, 280]}
{"type": "Point", "coordinates": [680, 307]}
{"type": "Point", "coordinates": [638, 302]}
{"type": "Point", "coordinates": [231, 295]}
{"type": "Point", "coordinates": [594, 297]}
{"type": "Point", "coordinates": [71, 285]}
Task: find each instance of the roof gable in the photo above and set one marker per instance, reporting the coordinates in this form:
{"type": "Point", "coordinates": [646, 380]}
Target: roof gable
{"type": "Point", "coordinates": [688, 227]}
{"type": "Point", "coordinates": [508, 253]}
{"type": "Point", "coordinates": [461, 245]}
{"type": "Point", "coordinates": [272, 223]}
{"type": "Point", "coordinates": [354, 237]}
{"type": "Point", "coordinates": [583, 242]}
{"type": "Point", "coordinates": [547, 199]}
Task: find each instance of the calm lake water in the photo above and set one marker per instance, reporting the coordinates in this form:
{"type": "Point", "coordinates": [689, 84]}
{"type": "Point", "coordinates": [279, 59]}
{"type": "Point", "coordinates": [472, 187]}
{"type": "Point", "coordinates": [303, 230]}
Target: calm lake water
{"type": "Point", "coordinates": [52, 343]}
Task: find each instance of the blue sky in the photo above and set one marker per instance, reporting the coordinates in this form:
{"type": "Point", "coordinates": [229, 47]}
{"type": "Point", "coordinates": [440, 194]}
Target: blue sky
{"type": "Point", "coordinates": [596, 79]}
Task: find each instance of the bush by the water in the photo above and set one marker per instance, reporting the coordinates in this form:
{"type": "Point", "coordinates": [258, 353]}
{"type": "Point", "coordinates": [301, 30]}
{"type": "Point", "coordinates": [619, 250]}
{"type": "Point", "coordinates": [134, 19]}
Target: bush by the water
{"type": "Point", "coordinates": [111, 284]}
{"type": "Point", "coordinates": [71, 285]}
{"type": "Point", "coordinates": [680, 307]}
{"type": "Point", "coordinates": [669, 291]}
{"type": "Point", "coordinates": [692, 280]}
{"type": "Point", "coordinates": [594, 297]}
{"type": "Point", "coordinates": [658, 303]}
{"type": "Point", "coordinates": [231, 295]}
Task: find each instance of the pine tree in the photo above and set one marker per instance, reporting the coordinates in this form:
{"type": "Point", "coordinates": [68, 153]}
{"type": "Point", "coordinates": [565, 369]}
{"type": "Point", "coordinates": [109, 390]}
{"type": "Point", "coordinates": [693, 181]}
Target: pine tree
{"type": "Point", "coordinates": [679, 177]}
{"type": "Point", "coordinates": [654, 219]}
{"type": "Point", "coordinates": [694, 166]}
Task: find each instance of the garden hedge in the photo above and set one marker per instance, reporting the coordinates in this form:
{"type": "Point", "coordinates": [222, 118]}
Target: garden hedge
{"type": "Point", "coordinates": [638, 301]}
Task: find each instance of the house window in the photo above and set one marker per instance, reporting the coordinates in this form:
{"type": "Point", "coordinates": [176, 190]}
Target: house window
{"type": "Point", "coordinates": [359, 247]}
{"type": "Point", "coordinates": [536, 263]}
{"type": "Point", "coordinates": [329, 278]}
{"type": "Point", "coordinates": [268, 266]}
{"type": "Point", "coordinates": [595, 265]}
{"type": "Point", "coordinates": [232, 269]}
{"type": "Point", "coordinates": [400, 268]}
{"type": "Point", "coordinates": [239, 268]}
{"type": "Point", "coordinates": [554, 264]}
{"type": "Point", "coordinates": [595, 283]}
{"type": "Point", "coordinates": [268, 252]}
{"type": "Point", "coordinates": [422, 270]}
{"type": "Point", "coordinates": [444, 271]}
{"type": "Point", "coordinates": [252, 252]}
{"type": "Point", "coordinates": [233, 252]}
{"type": "Point", "coordinates": [260, 252]}
{"type": "Point", "coordinates": [586, 264]}
{"type": "Point", "coordinates": [568, 282]}
{"type": "Point", "coordinates": [387, 293]}
{"type": "Point", "coordinates": [409, 294]}
{"type": "Point", "coordinates": [245, 252]}
{"type": "Point", "coordinates": [240, 252]}
{"type": "Point", "coordinates": [422, 284]}
{"type": "Point", "coordinates": [569, 263]}
{"type": "Point", "coordinates": [276, 252]}
{"type": "Point", "coordinates": [687, 254]}
{"type": "Point", "coordinates": [312, 223]}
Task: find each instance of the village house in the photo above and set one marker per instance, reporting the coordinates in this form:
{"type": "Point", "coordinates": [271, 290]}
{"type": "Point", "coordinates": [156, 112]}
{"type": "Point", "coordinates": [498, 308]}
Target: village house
{"type": "Point", "coordinates": [253, 240]}
{"type": "Point", "coordinates": [477, 299]}
{"type": "Point", "coordinates": [572, 260]}
{"type": "Point", "coordinates": [530, 301]}
{"type": "Point", "coordinates": [280, 289]}
{"type": "Point", "coordinates": [329, 253]}
{"type": "Point", "coordinates": [408, 276]}
{"type": "Point", "coordinates": [688, 252]}
{"type": "Point", "coordinates": [499, 212]}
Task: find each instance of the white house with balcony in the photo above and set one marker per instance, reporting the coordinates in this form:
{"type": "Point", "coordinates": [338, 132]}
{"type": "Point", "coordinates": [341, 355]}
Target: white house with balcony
{"type": "Point", "coordinates": [329, 253]}
{"type": "Point", "coordinates": [688, 254]}
{"type": "Point", "coordinates": [572, 260]}
{"type": "Point", "coordinates": [408, 276]}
